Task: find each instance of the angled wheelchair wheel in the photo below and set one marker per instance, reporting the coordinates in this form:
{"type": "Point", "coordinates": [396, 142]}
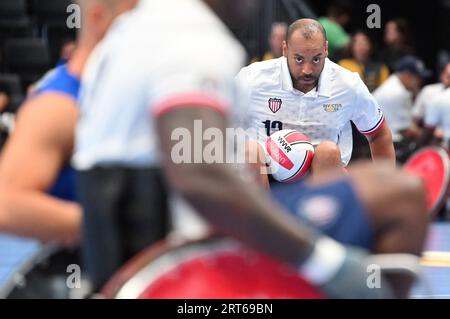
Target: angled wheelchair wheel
{"type": "Point", "coordinates": [213, 268]}
{"type": "Point", "coordinates": [433, 165]}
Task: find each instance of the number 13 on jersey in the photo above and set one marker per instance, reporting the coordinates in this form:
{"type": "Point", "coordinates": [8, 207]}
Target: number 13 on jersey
{"type": "Point", "coordinates": [272, 126]}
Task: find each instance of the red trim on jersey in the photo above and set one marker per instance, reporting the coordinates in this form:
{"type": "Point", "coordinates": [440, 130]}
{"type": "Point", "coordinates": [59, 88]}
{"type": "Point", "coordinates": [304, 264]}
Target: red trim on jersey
{"type": "Point", "coordinates": [373, 131]}
{"type": "Point", "coordinates": [195, 99]}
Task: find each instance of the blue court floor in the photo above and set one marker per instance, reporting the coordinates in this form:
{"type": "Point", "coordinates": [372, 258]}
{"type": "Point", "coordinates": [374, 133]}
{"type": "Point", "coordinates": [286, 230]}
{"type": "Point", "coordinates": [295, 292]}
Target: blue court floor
{"type": "Point", "coordinates": [436, 265]}
{"type": "Point", "coordinates": [17, 255]}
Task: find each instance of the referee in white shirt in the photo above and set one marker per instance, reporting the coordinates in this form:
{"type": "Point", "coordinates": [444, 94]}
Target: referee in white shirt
{"type": "Point", "coordinates": [437, 115]}
{"type": "Point", "coordinates": [429, 93]}
{"type": "Point", "coordinates": [316, 97]}
{"type": "Point", "coordinates": [396, 97]}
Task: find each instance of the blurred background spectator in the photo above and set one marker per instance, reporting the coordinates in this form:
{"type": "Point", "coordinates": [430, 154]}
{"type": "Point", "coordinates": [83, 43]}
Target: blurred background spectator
{"type": "Point", "coordinates": [429, 93]}
{"type": "Point", "coordinates": [277, 35]}
{"type": "Point", "coordinates": [338, 16]}
{"type": "Point", "coordinates": [437, 116]}
{"type": "Point", "coordinates": [360, 60]}
{"type": "Point", "coordinates": [396, 96]}
{"type": "Point", "coordinates": [67, 49]}
{"type": "Point", "coordinates": [397, 41]}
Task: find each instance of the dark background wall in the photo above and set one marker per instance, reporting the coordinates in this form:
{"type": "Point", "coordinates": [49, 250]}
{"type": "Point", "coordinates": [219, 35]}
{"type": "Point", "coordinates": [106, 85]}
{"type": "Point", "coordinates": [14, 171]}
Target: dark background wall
{"type": "Point", "coordinates": [428, 19]}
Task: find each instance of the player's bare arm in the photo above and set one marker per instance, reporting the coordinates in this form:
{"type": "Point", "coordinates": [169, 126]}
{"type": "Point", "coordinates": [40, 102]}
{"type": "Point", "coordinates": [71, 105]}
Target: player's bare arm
{"type": "Point", "coordinates": [40, 145]}
{"type": "Point", "coordinates": [381, 144]}
{"type": "Point", "coordinates": [255, 157]}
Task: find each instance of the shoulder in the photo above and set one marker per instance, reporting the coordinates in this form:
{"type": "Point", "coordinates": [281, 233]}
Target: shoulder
{"type": "Point", "coordinates": [391, 88]}
{"type": "Point", "coordinates": [55, 128]}
{"type": "Point", "coordinates": [262, 74]}
{"type": "Point", "coordinates": [432, 88]}
{"type": "Point", "coordinates": [342, 78]}
{"type": "Point", "coordinates": [190, 34]}
{"type": "Point", "coordinates": [211, 43]}
{"type": "Point", "coordinates": [47, 77]}
{"type": "Point", "coordinates": [46, 104]}
{"type": "Point", "coordinates": [191, 31]}
{"type": "Point", "coordinates": [443, 100]}
{"type": "Point", "coordinates": [58, 80]}
{"type": "Point", "coordinates": [50, 77]}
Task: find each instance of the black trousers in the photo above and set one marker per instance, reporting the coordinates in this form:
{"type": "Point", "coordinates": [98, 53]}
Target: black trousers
{"type": "Point", "coordinates": [125, 211]}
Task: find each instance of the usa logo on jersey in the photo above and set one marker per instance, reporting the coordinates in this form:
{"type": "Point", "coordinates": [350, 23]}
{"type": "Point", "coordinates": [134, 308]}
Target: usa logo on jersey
{"type": "Point", "coordinates": [275, 104]}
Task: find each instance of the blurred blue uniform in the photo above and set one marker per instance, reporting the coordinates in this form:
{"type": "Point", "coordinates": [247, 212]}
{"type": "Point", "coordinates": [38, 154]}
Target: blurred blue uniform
{"type": "Point", "coordinates": [61, 81]}
{"type": "Point", "coordinates": [333, 209]}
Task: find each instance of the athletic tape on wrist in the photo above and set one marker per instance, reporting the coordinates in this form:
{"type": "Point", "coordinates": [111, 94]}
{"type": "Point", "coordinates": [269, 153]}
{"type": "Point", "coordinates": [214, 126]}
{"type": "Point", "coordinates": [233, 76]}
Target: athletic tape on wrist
{"type": "Point", "coordinates": [325, 261]}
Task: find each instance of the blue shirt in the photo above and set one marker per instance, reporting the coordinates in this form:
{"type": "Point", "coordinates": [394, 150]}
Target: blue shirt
{"type": "Point", "coordinates": [59, 80]}
{"type": "Point", "coordinates": [333, 209]}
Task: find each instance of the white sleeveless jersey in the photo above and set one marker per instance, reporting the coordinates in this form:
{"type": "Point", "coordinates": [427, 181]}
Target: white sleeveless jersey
{"type": "Point", "coordinates": [162, 54]}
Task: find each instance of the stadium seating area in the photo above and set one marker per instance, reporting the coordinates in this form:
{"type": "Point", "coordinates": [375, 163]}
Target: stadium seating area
{"type": "Point", "coordinates": [31, 37]}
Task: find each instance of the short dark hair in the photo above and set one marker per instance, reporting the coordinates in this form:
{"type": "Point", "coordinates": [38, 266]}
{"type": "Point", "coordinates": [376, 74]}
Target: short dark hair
{"type": "Point", "coordinates": [308, 27]}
